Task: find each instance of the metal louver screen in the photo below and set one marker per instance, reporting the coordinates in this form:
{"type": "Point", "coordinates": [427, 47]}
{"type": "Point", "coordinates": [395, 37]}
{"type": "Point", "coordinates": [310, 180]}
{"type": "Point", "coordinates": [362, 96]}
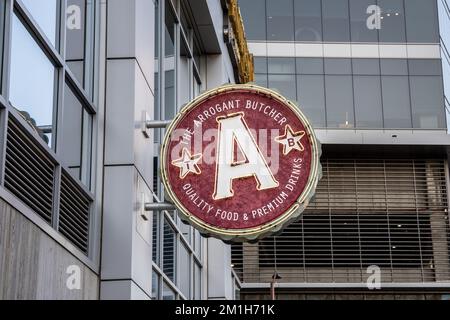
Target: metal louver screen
{"type": "Point", "coordinates": [388, 213]}
{"type": "Point", "coordinates": [29, 173]}
{"type": "Point", "coordinates": [74, 213]}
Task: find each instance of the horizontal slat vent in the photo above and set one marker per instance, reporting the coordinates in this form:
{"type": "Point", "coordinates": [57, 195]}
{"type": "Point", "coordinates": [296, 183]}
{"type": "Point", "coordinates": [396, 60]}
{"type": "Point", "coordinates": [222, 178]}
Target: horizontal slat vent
{"type": "Point", "coordinates": [29, 173]}
{"type": "Point", "coordinates": [74, 213]}
{"type": "Point", "coordinates": [388, 213]}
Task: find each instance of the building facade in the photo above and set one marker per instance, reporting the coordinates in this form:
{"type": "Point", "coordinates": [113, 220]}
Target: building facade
{"type": "Point", "coordinates": [373, 78]}
{"type": "Point", "coordinates": [82, 85]}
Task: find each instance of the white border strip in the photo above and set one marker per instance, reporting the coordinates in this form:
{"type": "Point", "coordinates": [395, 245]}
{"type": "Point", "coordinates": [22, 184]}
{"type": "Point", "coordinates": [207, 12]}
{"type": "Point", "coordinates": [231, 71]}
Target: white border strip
{"type": "Point", "coordinates": [345, 50]}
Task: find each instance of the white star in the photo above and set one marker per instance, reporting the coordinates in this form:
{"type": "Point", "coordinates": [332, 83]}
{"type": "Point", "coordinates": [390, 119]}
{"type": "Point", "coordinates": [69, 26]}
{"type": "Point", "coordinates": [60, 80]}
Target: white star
{"type": "Point", "coordinates": [188, 163]}
{"type": "Point", "coordinates": [291, 140]}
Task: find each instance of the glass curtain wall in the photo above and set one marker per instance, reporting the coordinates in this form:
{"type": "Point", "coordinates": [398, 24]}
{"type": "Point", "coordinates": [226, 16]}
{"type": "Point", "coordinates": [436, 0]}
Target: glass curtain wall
{"type": "Point", "coordinates": [360, 93]}
{"type": "Point", "coordinates": [444, 27]}
{"type": "Point", "coordinates": [177, 247]}
{"type": "Point", "coordinates": [47, 91]}
{"type": "Point", "coordinates": [394, 21]}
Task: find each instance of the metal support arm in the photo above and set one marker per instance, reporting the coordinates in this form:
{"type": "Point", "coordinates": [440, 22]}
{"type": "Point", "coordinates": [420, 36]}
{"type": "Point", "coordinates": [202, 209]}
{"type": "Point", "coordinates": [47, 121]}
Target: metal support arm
{"type": "Point", "coordinates": [148, 124]}
{"type": "Point", "coordinates": [159, 206]}
{"type": "Point", "coordinates": [156, 124]}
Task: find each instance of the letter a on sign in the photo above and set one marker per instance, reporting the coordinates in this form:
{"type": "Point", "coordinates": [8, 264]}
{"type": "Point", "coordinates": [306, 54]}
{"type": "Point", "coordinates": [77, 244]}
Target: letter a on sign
{"type": "Point", "coordinates": [215, 167]}
{"type": "Point", "coordinates": [233, 130]}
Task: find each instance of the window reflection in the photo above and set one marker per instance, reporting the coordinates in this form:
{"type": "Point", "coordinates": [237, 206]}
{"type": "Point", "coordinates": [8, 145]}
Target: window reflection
{"type": "Point", "coordinates": [358, 20]}
{"type": "Point", "coordinates": [282, 65]}
{"type": "Point", "coordinates": [285, 83]}
{"type": "Point", "coordinates": [155, 238]}
{"type": "Point", "coordinates": [392, 21]}
{"type": "Point", "coordinates": [155, 285]}
{"type": "Point", "coordinates": [367, 90]}
{"type": "Point", "coordinates": [311, 98]}
{"type": "Point", "coordinates": [309, 65]}
{"type": "Point", "coordinates": [75, 134]}
{"type": "Point", "coordinates": [260, 65]}
{"type": "Point", "coordinates": [338, 66]}
{"type": "Point", "coordinates": [394, 67]}
{"type": "Point", "coordinates": [169, 251]}
{"type": "Point", "coordinates": [308, 20]}
{"type": "Point", "coordinates": [339, 97]}
{"type": "Point", "coordinates": [44, 13]}
{"type": "Point", "coordinates": [168, 293]}
{"type": "Point", "coordinates": [32, 93]}
{"type": "Point", "coordinates": [254, 13]}
{"type": "Point", "coordinates": [280, 20]}
{"type": "Point", "coordinates": [2, 17]}
{"type": "Point", "coordinates": [422, 21]}
{"type": "Point", "coordinates": [427, 102]}
{"type": "Point", "coordinates": [366, 66]}
{"type": "Point", "coordinates": [77, 36]}
{"type": "Point", "coordinates": [335, 20]}
{"type": "Point", "coordinates": [396, 102]}
{"type": "Point", "coordinates": [169, 65]}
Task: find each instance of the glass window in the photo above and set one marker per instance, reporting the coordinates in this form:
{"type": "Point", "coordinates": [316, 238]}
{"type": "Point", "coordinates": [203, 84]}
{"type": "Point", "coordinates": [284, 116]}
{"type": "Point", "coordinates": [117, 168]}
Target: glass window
{"type": "Point", "coordinates": [396, 102]}
{"type": "Point", "coordinates": [309, 65]}
{"type": "Point", "coordinates": [185, 76]}
{"type": "Point", "coordinates": [155, 285]}
{"type": "Point", "coordinates": [367, 90]}
{"type": "Point", "coordinates": [261, 80]}
{"type": "Point", "coordinates": [184, 275]}
{"type": "Point", "coordinates": [169, 66]}
{"type": "Point", "coordinates": [254, 13]}
{"type": "Point", "coordinates": [185, 230]}
{"type": "Point", "coordinates": [280, 20]}
{"type": "Point", "coordinates": [308, 20]}
{"type": "Point", "coordinates": [339, 101]}
{"type": "Point", "coordinates": [335, 20]}
{"type": "Point", "coordinates": [392, 21]}
{"type": "Point", "coordinates": [76, 135]}
{"type": "Point", "coordinates": [425, 67]}
{"type": "Point", "coordinates": [32, 93]}
{"type": "Point", "coordinates": [169, 253]}
{"type": "Point", "coordinates": [366, 66]}
{"type": "Point", "coordinates": [311, 98]}
{"type": "Point", "coordinates": [260, 65]}
{"type": "Point", "coordinates": [394, 67]}
{"type": "Point", "coordinates": [169, 94]}
{"type": "Point", "coordinates": [2, 21]}
{"type": "Point", "coordinates": [198, 244]}
{"type": "Point", "coordinates": [155, 238]}
{"type": "Point", "coordinates": [168, 293]}
{"type": "Point", "coordinates": [282, 65]}
{"type": "Point", "coordinates": [197, 282]}
{"type": "Point", "coordinates": [45, 14]}
{"type": "Point", "coordinates": [157, 105]}
{"type": "Point", "coordinates": [422, 21]}
{"type": "Point", "coordinates": [76, 36]}
{"type": "Point", "coordinates": [358, 20]}
{"type": "Point", "coordinates": [427, 101]}
{"type": "Point", "coordinates": [285, 83]}
{"type": "Point", "coordinates": [338, 66]}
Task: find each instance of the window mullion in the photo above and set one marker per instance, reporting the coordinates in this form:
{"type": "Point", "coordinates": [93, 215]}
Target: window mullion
{"type": "Point", "coordinates": [38, 34]}
{"type": "Point", "coordinates": [7, 48]}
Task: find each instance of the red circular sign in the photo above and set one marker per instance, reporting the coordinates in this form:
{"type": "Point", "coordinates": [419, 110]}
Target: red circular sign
{"type": "Point", "coordinates": [240, 162]}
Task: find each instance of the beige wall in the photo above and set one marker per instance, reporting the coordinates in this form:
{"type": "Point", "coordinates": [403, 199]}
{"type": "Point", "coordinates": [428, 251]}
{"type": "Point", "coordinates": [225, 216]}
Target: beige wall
{"type": "Point", "coordinates": [33, 265]}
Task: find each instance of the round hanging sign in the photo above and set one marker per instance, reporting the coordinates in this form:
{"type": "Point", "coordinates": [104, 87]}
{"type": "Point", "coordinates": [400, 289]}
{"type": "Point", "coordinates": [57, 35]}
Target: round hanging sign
{"type": "Point", "coordinates": [240, 162]}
